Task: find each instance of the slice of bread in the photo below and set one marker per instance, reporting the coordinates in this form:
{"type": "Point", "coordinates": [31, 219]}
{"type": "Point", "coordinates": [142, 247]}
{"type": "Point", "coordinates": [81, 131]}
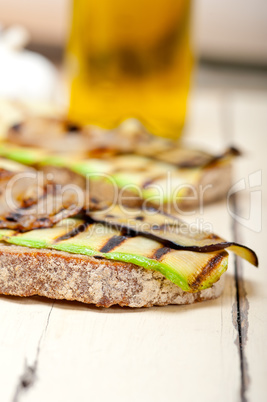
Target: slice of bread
{"type": "Point", "coordinates": [59, 275]}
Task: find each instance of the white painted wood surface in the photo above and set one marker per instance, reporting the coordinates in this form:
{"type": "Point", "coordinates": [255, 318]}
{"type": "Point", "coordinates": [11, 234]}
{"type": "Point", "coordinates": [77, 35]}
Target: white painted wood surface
{"type": "Point", "coordinates": [65, 351]}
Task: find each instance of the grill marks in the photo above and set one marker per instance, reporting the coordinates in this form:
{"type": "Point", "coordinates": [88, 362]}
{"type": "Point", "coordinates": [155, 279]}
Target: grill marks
{"type": "Point", "coordinates": [41, 212]}
{"type": "Point", "coordinates": [160, 252]}
{"type": "Point", "coordinates": [116, 240]}
{"type": "Point", "coordinates": [74, 232]}
{"type": "Point", "coordinates": [13, 217]}
{"type": "Point", "coordinates": [188, 270]}
{"type": "Point", "coordinates": [190, 158]}
{"type": "Point", "coordinates": [229, 153]}
{"type": "Point", "coordinates": [206, 271]}
{"type": "Point", "coordinates": [16, 128]}
{"type": "Point", "coordinates": [112, 243]}
{"type": "Point", "coordinates": [98, 239]}
{"type": "Point", "coordinates": [170, 232]}
{"type": "Point", "coordinates": [148, 183]}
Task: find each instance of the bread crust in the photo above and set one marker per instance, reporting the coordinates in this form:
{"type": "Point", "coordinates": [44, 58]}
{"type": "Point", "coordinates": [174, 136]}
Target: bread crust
{"type": "Point", "coordinates": [59, 275]}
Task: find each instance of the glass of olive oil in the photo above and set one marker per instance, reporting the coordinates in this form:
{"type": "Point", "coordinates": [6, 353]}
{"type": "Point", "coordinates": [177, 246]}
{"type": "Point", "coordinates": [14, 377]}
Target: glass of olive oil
{"type": "Point", "coordinates": [130, 59]}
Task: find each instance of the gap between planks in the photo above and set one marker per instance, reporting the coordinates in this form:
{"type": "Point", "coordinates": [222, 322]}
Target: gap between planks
{"type": "Point", "coordinates": [241, 307]}
{"type": "Point", "coordinates": [240, 312]}
{"type": "Point", "coordinates": [29, 375]}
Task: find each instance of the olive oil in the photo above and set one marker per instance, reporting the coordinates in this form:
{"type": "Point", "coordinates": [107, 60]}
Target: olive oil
{"type": "Point", "coordinates": [130, 59]}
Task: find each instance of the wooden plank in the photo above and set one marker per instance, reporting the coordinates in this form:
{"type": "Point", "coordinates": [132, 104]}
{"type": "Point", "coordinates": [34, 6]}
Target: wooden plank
{"type": "Point", "coordinates": [249, 116]}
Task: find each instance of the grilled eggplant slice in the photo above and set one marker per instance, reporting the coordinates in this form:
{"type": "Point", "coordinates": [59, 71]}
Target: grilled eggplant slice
{"type": "Point", "coordinates": [28, 201]}
{"type": "Point", "coordinates": [16, 185]}
{"type": "Point", "coordinates": [44, 213]}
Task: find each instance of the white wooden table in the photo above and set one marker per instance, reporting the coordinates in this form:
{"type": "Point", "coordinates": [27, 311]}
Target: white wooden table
{"type": "Point", "coordinates": [214, 351]}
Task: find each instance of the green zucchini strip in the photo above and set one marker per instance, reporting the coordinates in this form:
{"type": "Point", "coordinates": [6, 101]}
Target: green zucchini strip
{"type": "Point", "coordinates": [27, 156]}
{"type": "Point", "coordinates": [169, 230]}
{"type": "Point", "coordinates": [191, 271]}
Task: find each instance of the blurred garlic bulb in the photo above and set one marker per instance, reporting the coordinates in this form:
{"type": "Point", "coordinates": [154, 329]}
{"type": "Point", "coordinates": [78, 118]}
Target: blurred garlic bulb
{"type": "Point", "coordinates": [24, 74]}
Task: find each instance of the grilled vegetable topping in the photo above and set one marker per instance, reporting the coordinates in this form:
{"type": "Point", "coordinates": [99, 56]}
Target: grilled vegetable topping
{"type": "Point", "coordinates": [189, 270]}
{"type": "Point", "coordinates": [56, 133]}
{"type": "Point", "coordinates": [28, 202]}
{"type": "Point", "coordinates": [168, 178]}
{"type": "Point", "coordinates": [170, 231]}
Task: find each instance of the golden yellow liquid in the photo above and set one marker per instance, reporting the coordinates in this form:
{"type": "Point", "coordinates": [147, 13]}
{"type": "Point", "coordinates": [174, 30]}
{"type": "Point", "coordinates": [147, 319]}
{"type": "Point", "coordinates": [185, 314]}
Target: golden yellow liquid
{"type": "Point", "coordinates": [130, 58]}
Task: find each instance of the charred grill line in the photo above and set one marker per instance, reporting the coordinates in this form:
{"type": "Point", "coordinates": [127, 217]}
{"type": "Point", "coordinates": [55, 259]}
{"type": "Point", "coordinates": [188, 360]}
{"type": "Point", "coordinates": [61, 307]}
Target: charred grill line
{"type": "Point", "coordinates": [17, 127]}
{"type": "Point", "coordinates": [196, 161]}
{"type": "Point", "coordinates": [94, 200]}
{"type": "Point", "coordinates": [207, 270]}
{"type": "Point", "coordinates": [189, 164]}
{"type": "Point", "coordinates": [14, 217]}
{"type": "Point", "coordinates": [112, 243]}
{"type": "Point", "coordinates": [72, 128]}
{"type": "Point", "coordinates": [74, 232]}
{"type": "Point", "coordinates": [232, 151]}
{"type": "Point", "coordinates": [151, 181]}
{"type": "Point", "coordinates": [160, 252]}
